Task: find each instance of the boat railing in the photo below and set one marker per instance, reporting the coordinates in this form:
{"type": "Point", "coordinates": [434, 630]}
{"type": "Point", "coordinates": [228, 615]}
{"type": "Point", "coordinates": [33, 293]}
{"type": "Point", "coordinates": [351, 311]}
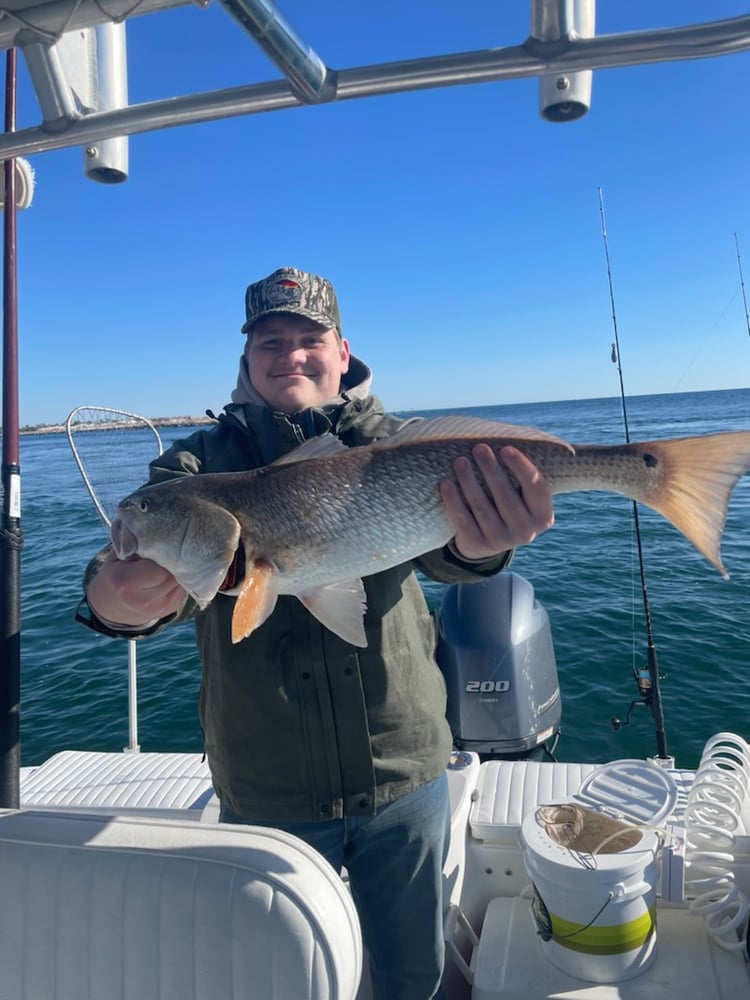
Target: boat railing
{"type": "Point", "coordinates": [562, 50]}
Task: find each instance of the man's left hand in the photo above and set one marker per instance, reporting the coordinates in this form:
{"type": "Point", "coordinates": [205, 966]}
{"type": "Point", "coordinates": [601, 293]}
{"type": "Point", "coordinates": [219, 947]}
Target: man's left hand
{"type": "Point", "coordinates": [510, 515]}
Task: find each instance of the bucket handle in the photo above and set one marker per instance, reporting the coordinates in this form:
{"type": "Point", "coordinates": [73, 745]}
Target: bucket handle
{"type": "Point", "coordinates": [622, 892]}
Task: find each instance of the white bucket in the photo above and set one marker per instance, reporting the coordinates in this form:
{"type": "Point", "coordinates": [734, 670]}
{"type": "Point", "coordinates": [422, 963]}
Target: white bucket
{"type": "Point", "coordinates": [595, 911]}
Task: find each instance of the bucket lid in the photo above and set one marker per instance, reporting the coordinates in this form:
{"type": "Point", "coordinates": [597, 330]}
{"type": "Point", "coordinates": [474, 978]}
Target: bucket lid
{"type": "Point", "coordinates": [637, 790]}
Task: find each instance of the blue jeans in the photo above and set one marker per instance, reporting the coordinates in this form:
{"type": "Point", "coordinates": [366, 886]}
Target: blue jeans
{"type": "Point", "coordinates": [395, 863]}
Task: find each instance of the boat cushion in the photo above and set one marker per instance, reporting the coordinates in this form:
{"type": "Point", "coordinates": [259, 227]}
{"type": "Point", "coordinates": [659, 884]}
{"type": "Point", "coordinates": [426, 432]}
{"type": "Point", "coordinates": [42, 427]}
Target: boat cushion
{"type": "Point", "coordinates": [177, 785]}
{"type": "Point", "coordinates": [509, 789]}
{"type": "Point", "coordinates": [118, 908]}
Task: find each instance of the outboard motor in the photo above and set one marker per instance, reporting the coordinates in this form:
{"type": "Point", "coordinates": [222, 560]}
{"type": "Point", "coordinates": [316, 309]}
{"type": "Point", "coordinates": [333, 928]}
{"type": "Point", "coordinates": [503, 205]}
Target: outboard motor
{"type": "Point", "coordinates": [495, 650]}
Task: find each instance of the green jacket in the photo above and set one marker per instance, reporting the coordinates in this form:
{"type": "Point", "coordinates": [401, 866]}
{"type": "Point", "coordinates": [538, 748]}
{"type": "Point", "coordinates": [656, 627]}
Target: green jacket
{"type": "Point", "coordinates": [299, 725]}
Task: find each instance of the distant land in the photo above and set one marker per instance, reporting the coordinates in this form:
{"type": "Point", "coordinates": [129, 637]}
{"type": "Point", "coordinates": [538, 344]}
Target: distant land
{"type": "Point", "coordinates": [105, 425]}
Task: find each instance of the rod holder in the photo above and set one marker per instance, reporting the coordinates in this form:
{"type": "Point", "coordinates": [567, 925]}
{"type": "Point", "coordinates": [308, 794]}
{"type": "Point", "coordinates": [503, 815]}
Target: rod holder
{"type": "Point", "coordinates": [566, 96]}
{"type": "Point", "coordinates": [106, 160]}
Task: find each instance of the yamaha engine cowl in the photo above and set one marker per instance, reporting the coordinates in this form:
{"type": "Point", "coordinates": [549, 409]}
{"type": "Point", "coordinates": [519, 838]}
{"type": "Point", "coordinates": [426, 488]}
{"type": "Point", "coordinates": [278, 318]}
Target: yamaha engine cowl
{"type": "Point", "coordinates": [495, 650]}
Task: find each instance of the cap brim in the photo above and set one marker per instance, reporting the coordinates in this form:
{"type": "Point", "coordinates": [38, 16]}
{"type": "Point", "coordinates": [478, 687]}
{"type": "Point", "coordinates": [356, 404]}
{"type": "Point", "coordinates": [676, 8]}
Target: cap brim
{"type": "Point", "coordinates": [316, 317]}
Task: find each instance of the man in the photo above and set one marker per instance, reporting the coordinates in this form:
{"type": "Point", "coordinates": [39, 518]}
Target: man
{"type": "Point", "coordinates": [344, 747]}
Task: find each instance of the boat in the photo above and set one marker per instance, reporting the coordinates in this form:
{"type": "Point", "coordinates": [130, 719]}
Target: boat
{"type": "Point", "coordinates": [590, 882]}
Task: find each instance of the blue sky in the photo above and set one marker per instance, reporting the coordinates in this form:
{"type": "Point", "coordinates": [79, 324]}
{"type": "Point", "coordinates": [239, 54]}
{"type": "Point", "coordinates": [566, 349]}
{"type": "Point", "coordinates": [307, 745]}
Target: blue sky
{"type": "Point", "coordinates": [461, 230]}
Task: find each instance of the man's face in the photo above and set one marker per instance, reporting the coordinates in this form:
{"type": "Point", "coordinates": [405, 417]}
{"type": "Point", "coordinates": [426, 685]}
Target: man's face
{"type": "Point", "coordinates": [294, 362]}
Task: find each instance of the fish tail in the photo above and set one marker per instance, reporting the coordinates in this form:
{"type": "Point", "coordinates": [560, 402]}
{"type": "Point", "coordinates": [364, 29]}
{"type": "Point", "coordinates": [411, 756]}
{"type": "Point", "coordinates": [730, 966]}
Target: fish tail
{"type": "Point", "coordinates": [699, 476]}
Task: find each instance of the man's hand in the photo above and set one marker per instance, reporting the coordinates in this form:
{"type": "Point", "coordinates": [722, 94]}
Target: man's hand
{"type": "Point", "coordinates": [133, 592]}
{"type": "Point", "coordinates": [509, 516]}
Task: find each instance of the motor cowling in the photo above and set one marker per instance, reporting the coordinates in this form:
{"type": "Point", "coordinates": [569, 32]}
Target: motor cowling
{"type": "Point", "coordinates": [495, 650]}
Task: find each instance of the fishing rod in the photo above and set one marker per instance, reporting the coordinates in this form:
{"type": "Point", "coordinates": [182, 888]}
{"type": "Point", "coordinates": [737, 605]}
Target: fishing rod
{"type": "Point", "coordinates": [11, 536]}
{"type": "Point", "coordinates": [742, 283]}
{"type": "Point", "coordinates": [646, 678]}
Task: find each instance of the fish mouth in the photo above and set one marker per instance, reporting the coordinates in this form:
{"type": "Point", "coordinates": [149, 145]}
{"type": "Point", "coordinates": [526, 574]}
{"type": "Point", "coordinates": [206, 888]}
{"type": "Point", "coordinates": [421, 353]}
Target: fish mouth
{"type": "Point", "coordinates": [124, 542]}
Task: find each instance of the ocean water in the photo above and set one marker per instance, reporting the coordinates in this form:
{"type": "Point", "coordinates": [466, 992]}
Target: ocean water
{"type": "Point", "coordinates": [584, 571]}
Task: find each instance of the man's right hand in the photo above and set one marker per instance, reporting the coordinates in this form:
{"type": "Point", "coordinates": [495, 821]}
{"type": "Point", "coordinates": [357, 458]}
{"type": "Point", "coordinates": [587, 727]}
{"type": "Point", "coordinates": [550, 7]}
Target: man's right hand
{"type": "Point", "coordinates": [133, 592]}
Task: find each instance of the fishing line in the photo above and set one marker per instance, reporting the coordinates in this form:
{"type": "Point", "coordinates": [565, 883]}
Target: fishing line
{"type": "Point", "coordinates": [742, 283]}
{"type": "Point", "coordinates": [647, 679]}
{"type": "Point", "coordinates": [706, 340]}
{"type": "Point", "coordinates": [721, 315]}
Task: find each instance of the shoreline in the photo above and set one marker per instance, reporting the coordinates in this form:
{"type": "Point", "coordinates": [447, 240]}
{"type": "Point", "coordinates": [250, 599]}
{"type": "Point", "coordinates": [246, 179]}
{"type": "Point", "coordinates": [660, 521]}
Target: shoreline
{"type": "Point", "coordinates": [109, 425]}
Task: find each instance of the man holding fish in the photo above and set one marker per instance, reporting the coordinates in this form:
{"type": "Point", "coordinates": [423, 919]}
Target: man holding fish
{"type": "Point", "coordinates": [290, 532]}
{"type": "Point", "coordinates": [322, 708]}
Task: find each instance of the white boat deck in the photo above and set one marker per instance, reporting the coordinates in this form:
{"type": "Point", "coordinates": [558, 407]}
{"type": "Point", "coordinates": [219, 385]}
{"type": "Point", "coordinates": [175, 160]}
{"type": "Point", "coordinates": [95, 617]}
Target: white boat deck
{"type": "Point", "coordinates": [485, 875]}
{"type": "Point", "coordinates": [509, 964]}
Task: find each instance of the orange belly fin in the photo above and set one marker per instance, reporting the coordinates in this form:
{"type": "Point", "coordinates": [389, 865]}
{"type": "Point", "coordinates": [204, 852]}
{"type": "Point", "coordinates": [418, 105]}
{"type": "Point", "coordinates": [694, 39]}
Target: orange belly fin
{"type": "Point", "coordinates": [256, 599]}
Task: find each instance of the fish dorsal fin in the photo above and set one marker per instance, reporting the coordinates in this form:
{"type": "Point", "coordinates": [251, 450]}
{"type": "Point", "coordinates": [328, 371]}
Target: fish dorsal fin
{"type": "Point", "coordinates": [325, 445]}
{"type": "Point", "coordinates": [340, 607]}
{"type": "Point", "coordinates": [440, 428]}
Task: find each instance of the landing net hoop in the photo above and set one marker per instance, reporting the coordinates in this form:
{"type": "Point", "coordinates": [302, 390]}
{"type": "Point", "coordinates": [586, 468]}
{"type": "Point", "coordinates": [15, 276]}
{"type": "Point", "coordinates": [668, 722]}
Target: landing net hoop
{"type": "Point", "coordinates": [112, 449]}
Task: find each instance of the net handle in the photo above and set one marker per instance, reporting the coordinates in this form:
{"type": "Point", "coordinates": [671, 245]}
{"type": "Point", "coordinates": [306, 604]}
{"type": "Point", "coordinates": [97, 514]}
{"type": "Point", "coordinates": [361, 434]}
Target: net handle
{"type": "Point", "coordinates": [108, 414]}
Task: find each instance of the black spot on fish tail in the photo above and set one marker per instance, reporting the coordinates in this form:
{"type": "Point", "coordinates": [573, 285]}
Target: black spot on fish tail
{"type": "Point", "coordinates": [650, 460]}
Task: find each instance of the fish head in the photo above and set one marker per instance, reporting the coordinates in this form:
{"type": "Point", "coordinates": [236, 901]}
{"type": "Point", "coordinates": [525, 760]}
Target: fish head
{"type": "Point", "coordinates": [191, 536]}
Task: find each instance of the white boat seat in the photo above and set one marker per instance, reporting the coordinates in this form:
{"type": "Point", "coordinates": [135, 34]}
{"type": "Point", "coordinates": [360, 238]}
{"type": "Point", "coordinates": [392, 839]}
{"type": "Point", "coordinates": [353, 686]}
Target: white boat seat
{"type": "Point", "coordinates": [176, 785]}
{"type": "Point", "coordinates": [111, 908]}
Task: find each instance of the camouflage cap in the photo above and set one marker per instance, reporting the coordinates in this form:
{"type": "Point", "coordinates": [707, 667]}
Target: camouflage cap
{"type": "Point", "coordinates": [291, 291]}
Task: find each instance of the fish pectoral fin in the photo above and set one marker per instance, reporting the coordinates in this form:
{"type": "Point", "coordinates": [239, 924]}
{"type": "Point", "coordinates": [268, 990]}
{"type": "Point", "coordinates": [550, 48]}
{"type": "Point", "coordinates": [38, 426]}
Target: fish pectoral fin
{"type": "Point", "coordinates": [256, 599]}
{"type": "Point", "coordinates": [341, 608]}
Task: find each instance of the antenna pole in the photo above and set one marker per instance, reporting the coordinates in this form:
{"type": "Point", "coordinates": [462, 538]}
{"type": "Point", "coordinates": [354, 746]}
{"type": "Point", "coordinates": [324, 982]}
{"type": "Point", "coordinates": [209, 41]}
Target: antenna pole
{"type": "Point", "coordinates": [648, 680]}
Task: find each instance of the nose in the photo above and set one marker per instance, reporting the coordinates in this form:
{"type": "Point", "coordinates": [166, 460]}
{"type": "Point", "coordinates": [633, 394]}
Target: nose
{"type": "Point", "coordinates": [294, 352]}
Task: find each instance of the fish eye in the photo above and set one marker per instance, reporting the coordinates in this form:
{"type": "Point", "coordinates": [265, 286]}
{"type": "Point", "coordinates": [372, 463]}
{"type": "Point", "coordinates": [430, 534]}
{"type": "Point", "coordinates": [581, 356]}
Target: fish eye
{"type": "Point", "coordinates": [143, 505]}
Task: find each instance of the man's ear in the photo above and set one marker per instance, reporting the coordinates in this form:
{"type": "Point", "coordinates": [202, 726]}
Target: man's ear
{"type": "Point", "coordinates": [345, 355]}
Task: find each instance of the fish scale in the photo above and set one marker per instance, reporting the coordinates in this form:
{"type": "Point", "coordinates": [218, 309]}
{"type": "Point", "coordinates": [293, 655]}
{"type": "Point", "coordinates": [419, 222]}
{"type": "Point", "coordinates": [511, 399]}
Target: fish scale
{"type": "Point", "coordinates": [340, 531]}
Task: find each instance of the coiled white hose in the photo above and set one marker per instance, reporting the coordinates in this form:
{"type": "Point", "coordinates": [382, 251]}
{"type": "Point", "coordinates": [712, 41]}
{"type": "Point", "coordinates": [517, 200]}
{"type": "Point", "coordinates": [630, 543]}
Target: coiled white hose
{"type": "Point", "coordinates": [711, 816]}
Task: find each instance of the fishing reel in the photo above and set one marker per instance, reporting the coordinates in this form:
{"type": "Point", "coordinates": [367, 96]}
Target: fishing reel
{"type": "Point", "coordinates": [644, 684]}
